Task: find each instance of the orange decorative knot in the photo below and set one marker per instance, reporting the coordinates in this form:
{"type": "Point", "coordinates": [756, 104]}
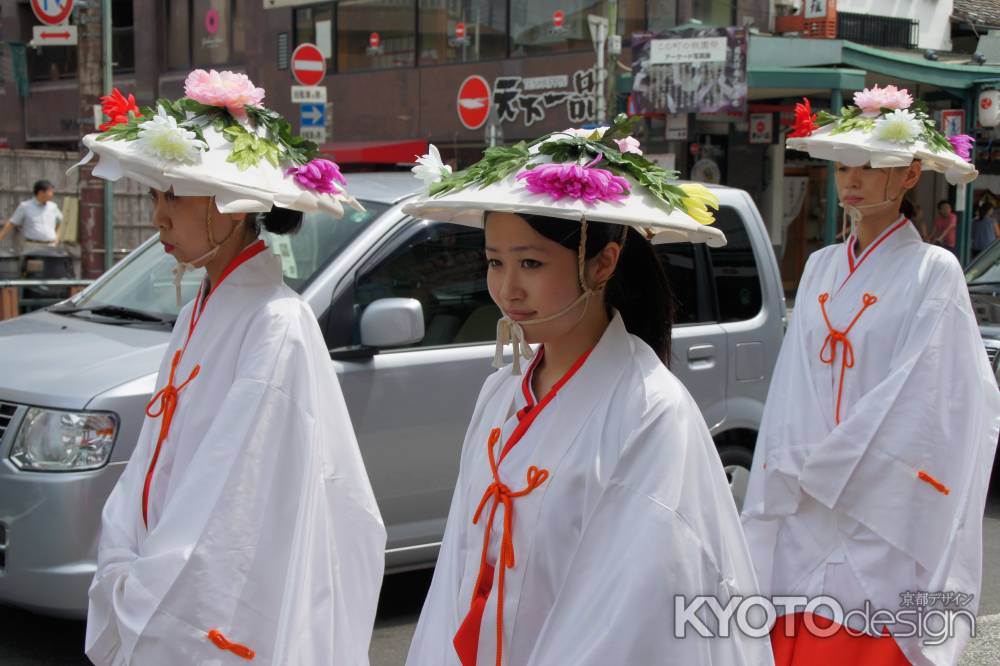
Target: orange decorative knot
{"type": "Point", "coordinates": [239, 650]}
{"type": "Point", "coordinates": [938, 486]}
{"type": "Point", "coordinates": [167, 398]}
{"type": "Point", "coordinates": [502, 495]}
{"type": "Point", "coordinates": [828, 353]}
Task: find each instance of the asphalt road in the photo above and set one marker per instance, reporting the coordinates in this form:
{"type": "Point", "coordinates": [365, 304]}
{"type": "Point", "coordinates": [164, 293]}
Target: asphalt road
{"type": "Point", "coordinates": [32, 640]}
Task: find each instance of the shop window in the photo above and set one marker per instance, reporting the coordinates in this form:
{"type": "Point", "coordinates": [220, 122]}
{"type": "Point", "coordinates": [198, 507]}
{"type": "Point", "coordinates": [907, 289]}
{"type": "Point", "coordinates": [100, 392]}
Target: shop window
{"type": "Point", "coordinates": [205, 33]}
{"type": "Point", "coordinates": [122, 36]}
{"type": "Point", "coordinates": [375, 34]}
{"type": "Point", "coordinates": [551, 26]}
{"type": "Point", "coordinates": [462, 31]}
{"type": "Point", "coordinates": [554, 26]}
{"type": "Point", "coordinates": [718, 13]}
{"type": "Point", "coordinates": [314, 25]}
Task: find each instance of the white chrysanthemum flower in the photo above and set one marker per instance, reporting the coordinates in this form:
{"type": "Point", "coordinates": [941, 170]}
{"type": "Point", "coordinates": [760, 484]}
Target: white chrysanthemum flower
{"type": "Point", "coordinates": [163, 137]}
{"type": "Point", "coordinates": [900, 126]}
{"type": "Point", "coordinates": [430, 168]}
{"type": "Point", "coordinates": [597, 133]}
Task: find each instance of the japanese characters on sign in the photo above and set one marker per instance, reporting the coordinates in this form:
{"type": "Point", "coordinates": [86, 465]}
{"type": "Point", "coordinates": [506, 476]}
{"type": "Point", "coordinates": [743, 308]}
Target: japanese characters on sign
{"type": "Point", "coordinates": [690, 71]}
{"type": "Point", "coordinates": [529, 100]}
{"type": "Point", "coordinates": [671, 51]}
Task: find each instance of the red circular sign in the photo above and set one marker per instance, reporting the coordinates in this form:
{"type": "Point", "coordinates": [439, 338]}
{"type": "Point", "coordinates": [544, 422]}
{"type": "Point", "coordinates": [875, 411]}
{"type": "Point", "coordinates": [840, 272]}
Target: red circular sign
{"type": "Point", "coordinates": [459, 30]}
{"type": "Point", "coordinates": [558, 17]}
{"type": "Point", "coordinates": [374, 40]}
{"type": "Point", "coordinates": [212, 21]}
{"type": "Point", "coordinates": [473, 102]}
{"type": "Point", "coordinates": [985, 103]}
{"type": "Point", "coordinates": [52, 12]}
{"type": "Point", "coordinates": [308, 64]}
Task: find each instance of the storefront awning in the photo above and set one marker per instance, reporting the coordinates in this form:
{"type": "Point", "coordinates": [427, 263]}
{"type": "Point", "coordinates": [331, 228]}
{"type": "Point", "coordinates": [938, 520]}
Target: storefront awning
{"type": "Point", "coordinates": [768, 53]}
{"type": "Point", "coordinates": [375, 152]}
{"type": "Point", "coordinates": [766, 82]}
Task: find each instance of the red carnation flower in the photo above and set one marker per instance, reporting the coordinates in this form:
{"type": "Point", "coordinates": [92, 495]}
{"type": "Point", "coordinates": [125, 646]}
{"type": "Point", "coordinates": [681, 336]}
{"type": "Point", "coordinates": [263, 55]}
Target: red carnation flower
{"type": "Point", "coordinates": [805, 120]}
{"type": "Point", "coordinates": [117, 107]}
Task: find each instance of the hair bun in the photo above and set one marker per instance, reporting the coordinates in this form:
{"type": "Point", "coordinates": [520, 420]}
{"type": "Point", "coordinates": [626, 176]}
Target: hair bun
{"type": "Point", "coordinates": [281, 221]}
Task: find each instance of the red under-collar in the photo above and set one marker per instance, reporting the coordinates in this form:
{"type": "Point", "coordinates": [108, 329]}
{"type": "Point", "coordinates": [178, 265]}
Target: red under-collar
{"type": "Point", "coordinates": [245, 255]}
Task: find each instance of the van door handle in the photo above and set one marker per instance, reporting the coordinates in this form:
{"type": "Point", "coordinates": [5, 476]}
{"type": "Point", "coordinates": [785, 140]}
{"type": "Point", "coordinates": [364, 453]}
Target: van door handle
{"type": "Point", "coordinates": [701, 352]}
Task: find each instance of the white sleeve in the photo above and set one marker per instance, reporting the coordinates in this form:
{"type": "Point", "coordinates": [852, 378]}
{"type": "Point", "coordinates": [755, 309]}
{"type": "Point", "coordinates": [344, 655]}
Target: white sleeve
{"type": "Point", "coordinates": [903, 460]}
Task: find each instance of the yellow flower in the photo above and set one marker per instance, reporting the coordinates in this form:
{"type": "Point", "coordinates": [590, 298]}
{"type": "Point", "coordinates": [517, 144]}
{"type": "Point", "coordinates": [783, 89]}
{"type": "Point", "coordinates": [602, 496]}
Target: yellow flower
{"type": "Point", "coordinates": [697, 202]}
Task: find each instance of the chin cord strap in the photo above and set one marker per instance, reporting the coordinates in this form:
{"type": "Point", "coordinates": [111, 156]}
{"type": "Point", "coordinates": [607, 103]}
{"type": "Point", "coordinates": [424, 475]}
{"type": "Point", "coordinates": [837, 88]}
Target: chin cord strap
{"type": "Point", "coordinates": [183, 267]}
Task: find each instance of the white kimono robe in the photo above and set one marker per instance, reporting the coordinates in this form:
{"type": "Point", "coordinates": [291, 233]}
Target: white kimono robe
{"type": "Point", "coordinates": [636, 509]}
{"type": "Point", "coordinates": [262, 525]}
{"type": "Point", "coordinates": [890, 499]}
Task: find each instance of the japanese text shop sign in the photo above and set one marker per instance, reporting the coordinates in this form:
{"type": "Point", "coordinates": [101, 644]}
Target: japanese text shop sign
{"type": "Point", "coordinates": [674, 51]}
{"type": "Point", "coordinates": [528, 100]}
{"type": "Point", "coordinates": [690, 71]}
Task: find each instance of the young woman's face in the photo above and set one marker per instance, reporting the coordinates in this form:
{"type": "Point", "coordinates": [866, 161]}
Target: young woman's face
{"type": "Point", "coordinates": [944, 209]}
{"type": "Point", "coordinates": [863, 185]}
{"type": "Point", "coordinates": [530, 276]}
{"type": "Point", "coordinates": [181, 223]}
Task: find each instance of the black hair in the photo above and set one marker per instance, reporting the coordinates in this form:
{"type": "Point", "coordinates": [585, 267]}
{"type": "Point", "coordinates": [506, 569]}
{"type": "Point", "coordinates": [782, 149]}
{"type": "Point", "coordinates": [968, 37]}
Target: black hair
{"type": "Point", "coordinates": [984, 209]}
{"type": "Point", "coordinates": [278, 220]}
{"type": "Point", "coordinates": [638, 289]}
{"type": "Point", "coordinates": [943, 201]}
{"type": "Point", "coordinates": [42, 186]}
{"type": "Point", "coordinates": [907, 208]}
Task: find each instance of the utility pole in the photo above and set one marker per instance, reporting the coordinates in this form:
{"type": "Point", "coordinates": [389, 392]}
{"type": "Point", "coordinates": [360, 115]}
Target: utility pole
{"type": "Point", "coordinates": [90, 77]}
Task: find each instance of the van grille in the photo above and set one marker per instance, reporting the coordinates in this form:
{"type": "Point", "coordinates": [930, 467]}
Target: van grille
{"type": "Point", "coordinates": [7, 410]}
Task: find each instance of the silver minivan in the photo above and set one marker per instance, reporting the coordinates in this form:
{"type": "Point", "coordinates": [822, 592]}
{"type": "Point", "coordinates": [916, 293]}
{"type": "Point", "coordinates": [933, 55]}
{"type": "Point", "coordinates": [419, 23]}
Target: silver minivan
{"type": "Point", "coordinates": [75, 379]}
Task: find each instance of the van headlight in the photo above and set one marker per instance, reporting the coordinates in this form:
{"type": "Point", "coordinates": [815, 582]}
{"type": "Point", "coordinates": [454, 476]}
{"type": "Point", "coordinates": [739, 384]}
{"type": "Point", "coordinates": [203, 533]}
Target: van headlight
{"type": "Point", "coordinates": [56, 441]}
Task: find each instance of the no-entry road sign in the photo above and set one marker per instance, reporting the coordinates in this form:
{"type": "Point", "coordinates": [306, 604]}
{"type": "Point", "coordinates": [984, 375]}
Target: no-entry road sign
{"type": "Point", "coordinates": [308, 64]}
{"type": "Point", "coordinates": [473, 102]}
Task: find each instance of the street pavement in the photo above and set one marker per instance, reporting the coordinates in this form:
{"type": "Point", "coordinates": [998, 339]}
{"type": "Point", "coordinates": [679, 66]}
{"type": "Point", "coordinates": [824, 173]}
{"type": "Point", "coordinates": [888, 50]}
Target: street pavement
{"type": "Point", "coordinates": [32, 640]}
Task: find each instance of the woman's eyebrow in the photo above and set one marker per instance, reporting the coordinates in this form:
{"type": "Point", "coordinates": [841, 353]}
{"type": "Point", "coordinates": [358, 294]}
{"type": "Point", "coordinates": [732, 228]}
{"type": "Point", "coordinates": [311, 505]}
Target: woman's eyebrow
{"type": "Point", "coordinates": [519, 248]}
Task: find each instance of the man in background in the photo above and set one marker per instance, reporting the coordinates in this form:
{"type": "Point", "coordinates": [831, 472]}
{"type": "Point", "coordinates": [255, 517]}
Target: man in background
{"type": "Point", "coordinates": [37, 219]}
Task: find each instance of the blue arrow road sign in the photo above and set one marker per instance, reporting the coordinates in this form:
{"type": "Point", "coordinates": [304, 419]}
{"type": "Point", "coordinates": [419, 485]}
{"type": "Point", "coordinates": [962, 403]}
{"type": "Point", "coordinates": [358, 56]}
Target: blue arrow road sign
{"type": "Point", "coordinates": [313, 115]}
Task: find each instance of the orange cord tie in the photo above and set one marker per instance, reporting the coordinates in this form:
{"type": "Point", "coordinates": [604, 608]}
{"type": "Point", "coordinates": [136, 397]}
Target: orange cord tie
{"type": "Point", "coordinates": [223, 644]}
{"type": "Point", "coordinates": [167, 398]}
{"type": "Point", "coordinates": [938, 486]}
{"type": "Point", "coordinates": [835, 337]}
{"type": "Point", "coordinates": [501, 494]}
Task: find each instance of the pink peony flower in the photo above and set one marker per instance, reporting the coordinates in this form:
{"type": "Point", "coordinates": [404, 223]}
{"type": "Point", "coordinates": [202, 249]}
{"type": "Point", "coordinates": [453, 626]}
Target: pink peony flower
{"type": "Point", "coordinates": [962, 145]}
{"type": "Point", "coordinates": [576, 182]}
{"type": "Point", "coordinates": [318, 175]}
{"type": "Point", "coordinates": [226, 89]}
{"type": "Point", "coordinates": [629, 144]}
{"type": "Point", "coordinates": [871, 100]}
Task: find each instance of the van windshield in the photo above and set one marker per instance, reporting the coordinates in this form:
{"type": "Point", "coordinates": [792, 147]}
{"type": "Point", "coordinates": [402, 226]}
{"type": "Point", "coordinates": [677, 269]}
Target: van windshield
{"type": "Point", "coordinates": [146, 282]}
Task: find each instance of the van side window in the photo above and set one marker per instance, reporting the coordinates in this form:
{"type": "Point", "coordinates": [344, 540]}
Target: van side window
{"type": "Point", "coordinates": [681, 267]}
{"type": "Point", "coordinates": [444, 267]}
{"type": "Point", "coordinates": [734, 269]}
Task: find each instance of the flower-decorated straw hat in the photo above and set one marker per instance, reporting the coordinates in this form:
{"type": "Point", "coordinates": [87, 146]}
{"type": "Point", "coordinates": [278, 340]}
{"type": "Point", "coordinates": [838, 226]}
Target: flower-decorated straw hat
{"type": "Point", "coordinates": [885, 127]}
{"type": "Point", "coordinates": [596, 175]}
{"type": "Point", "coordinates": [585, 175]}
{"type": "Point", "coordinates": [219, 141]}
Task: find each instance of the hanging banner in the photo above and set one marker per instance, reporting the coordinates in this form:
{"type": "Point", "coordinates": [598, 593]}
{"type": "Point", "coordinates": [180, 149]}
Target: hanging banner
{"type": "Point", "coordinates": [690, 71]}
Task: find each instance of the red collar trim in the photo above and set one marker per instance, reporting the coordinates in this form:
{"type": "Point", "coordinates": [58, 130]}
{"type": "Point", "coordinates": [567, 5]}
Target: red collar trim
{"type": "Point", "coordinates": [527, 416]}
{"type": "Point", "coordinates": [855, 265]}
{"type": "Point", "coordinates": [248, 253]}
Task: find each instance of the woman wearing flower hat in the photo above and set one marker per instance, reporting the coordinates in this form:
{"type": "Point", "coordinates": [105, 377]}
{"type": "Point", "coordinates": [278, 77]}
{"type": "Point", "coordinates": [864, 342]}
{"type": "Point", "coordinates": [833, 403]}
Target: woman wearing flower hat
{"type": "Point", "coordinates": [590, 496]}
{"type": "Point", "coordinates": [244, 526]}
{"type": "Point", "coordinates": [871, 467]}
